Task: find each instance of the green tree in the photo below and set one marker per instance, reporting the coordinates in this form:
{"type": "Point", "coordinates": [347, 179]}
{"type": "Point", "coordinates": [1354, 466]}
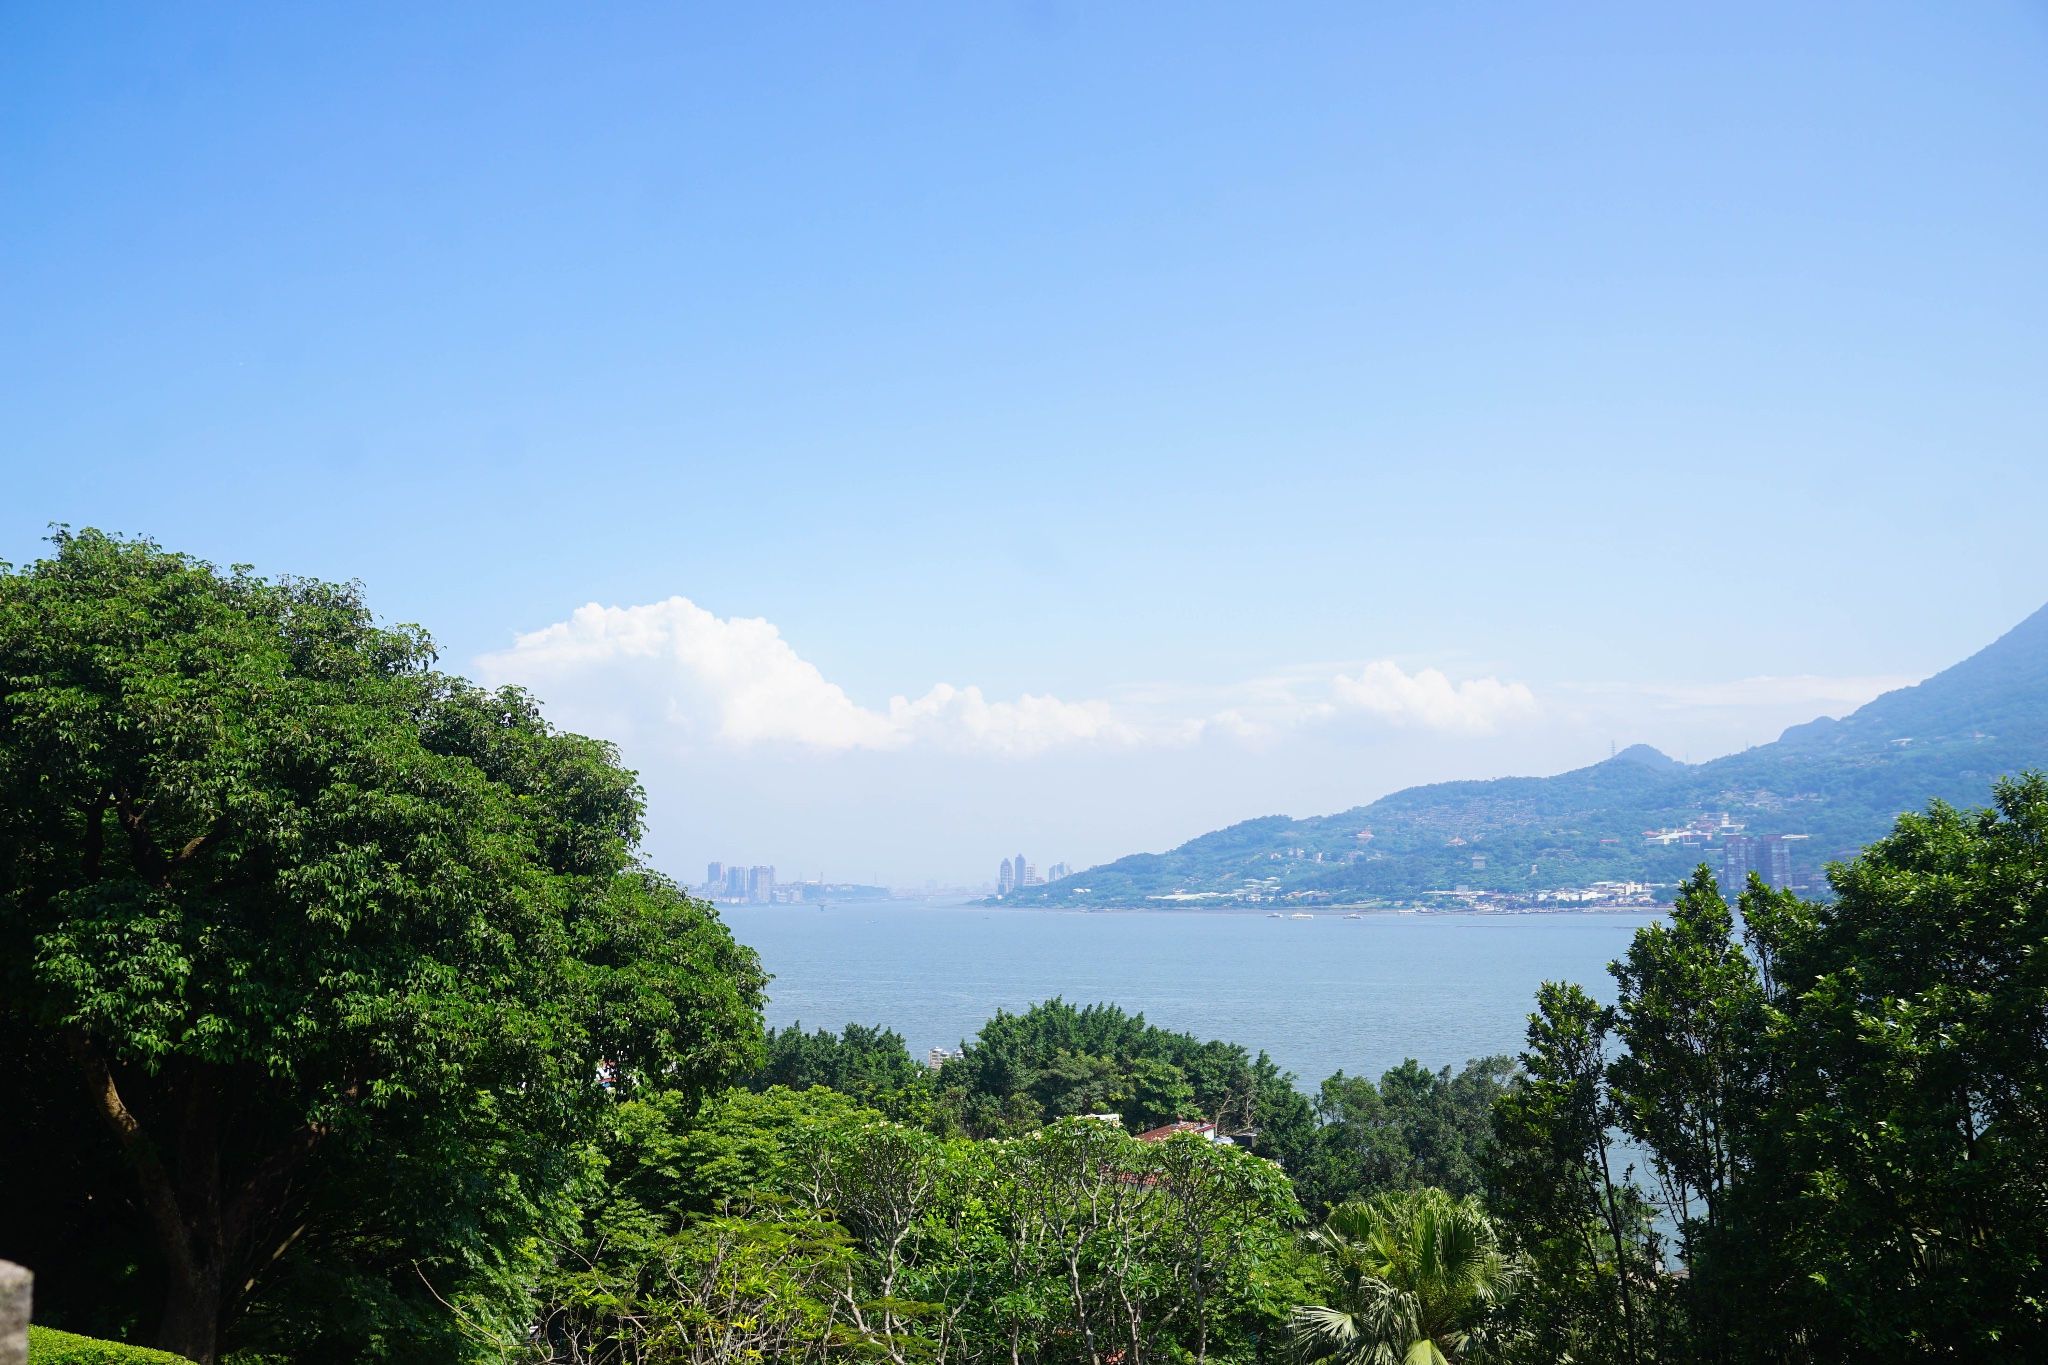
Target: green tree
{"type": "Point", "coordinates": [664, 1155]}
{"type": "Point", "coordinates": [1056, 1060]}
{"type": "Point", "coordinates": [1415, 1128]}
{"type": "Point", "coordinates": [718, 1290]}
{"type": "Point", "coordinates": [1415, 1273]}
{"type": "Point", "coordinates": [1560, 1189]}
{"type": "Point", "coordinates": [870, 1064]}
{"type": "Point", "coordinates": [1688, 1016]}
{"type": "Point", "coordinates": [694, 1237]}
{"type": "Point", "coordinates": [1903, 1163]}
{"type": "Point", "coordinates": [1131, 1251]}
{"type": "Point", "coordinates": [345, 957]}
{"type": "Point", "coordinates": [1221, 1220]}
{"type": "Point", "coordinates": [902, 1193]}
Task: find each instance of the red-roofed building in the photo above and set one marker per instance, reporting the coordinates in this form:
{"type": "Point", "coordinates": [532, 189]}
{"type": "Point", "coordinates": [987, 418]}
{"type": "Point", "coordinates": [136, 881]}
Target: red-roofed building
{"type": "Point", "coordinates": [1207, 1130]}
{"type": "Point", "coordinates": [1196, 1126]}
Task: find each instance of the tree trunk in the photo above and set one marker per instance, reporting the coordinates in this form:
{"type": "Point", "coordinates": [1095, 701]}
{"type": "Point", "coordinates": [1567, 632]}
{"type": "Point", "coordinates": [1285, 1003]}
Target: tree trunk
{"type": "Point", "coordinates": [191, 1321]}
{"type": "Point", "coordinates": [200, 1229]}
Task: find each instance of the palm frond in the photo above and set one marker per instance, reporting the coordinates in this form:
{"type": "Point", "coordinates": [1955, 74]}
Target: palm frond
{"type": "Point", "coordinates": [1374, 1330]}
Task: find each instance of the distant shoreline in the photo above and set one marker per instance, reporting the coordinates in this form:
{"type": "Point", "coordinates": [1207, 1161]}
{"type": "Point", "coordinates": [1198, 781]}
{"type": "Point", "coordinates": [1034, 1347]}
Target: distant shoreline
{"type": "Point", "coordinates": [1255, 912]}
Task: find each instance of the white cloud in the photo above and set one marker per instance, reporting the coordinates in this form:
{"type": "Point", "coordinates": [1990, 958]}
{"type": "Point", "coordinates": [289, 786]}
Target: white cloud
{"type": "Point", "coordinates": [1428, 698]}
{"type": "Point", "coordinates": [738, 683]}
{"type": "Point", "coordinates": [962, 718]}
{"type": "Point", "coordinates": [673, 674]}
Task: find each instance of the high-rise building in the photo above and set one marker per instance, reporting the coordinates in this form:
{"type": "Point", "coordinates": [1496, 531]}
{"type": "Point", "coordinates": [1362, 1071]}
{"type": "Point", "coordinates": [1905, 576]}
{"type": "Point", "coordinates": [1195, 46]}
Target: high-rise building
{"type": "Point", "coordinates": [1774, 861]}
{"type": "Point", "coordinates": [1738, 860]}
{"type": "Point", "coordinates": [760, 885]}
{"type": "Point", "coordinates": [714, 873]}
{"type": "Point", "coordinates": [735, 883]}
{"type": "Point", "coordinates": [1030, 877]}
{"type": "Point", "coordinates": [1006, 880]}
{"type": "Point", "coordinates": [1057, 871]}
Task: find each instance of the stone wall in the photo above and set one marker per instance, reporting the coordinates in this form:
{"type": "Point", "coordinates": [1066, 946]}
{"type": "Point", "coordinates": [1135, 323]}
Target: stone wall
{"type": "Point", "coordinates": [16, 1295]}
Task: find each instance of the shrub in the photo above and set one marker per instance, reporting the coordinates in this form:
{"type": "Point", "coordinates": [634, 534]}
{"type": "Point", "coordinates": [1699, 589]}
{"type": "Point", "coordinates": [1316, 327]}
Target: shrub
{"type": "Point", "coordinates": [48, 1346]}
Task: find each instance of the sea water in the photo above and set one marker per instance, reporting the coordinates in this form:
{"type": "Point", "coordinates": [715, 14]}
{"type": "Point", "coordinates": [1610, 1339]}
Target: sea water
{"type": "Point", "coordinates": [1317, 994]}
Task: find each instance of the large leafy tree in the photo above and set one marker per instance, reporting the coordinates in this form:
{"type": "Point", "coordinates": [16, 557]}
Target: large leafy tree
{"type": "Point", "coordinates": [1056, 1060]}
{"type": "Point", "coordinates": [1562, 1189]}
{"type": "Point", "coordinates": [1901, 1167]}
{"type": "Point", "coordinates": [869, 1063]}
{"type": "Point", "coordinates": [1688, 1015]}
{"type": "Point", "coordinates": [1416, 1128]}
{"type": "Point", "coordinates": [319, 965]}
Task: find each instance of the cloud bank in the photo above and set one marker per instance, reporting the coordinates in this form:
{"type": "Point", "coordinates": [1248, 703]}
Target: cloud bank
{"type": "Point", "coordinates": [737, 683]}
{"type": "Point", "coordinates": [1428, 698]}
{"type": "Point", "coordinates": [674, 669]}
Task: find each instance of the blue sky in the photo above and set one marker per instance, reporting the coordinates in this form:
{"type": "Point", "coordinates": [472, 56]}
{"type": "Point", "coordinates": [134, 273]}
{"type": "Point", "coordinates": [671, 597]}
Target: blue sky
{"type": "Point", "coordinates": [1647, 372]}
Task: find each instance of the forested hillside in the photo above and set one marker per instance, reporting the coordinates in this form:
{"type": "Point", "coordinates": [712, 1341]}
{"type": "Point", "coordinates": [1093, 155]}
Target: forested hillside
{"type": "Point", "coordinates": [1837, 783]}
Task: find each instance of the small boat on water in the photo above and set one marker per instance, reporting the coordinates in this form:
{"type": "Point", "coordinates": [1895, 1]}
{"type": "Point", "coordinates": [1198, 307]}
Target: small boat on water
{"type": "Point", "coordinates": [1276, 915]}
{"type": "Point", "coordinates": [1354, 915]}
{"type": "Point", "coordinates": [1299, 915]}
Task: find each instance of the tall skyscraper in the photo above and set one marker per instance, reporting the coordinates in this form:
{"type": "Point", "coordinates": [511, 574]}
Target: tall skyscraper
{"type": "Point", "coordinates": [760, 885]}
{"type": "Point", "coordinates": [714, 873]}
{"type": "Point", "coordinates": [735, 883]}
{"type": "Point", "coordinates": [1774, 861]}
{"type": "Point", "coordinates": [1030, 877]}
{"type": "Point", "coordinates": [1006, 880]}
{"type": "Point", "coordinates": [1738, 859]}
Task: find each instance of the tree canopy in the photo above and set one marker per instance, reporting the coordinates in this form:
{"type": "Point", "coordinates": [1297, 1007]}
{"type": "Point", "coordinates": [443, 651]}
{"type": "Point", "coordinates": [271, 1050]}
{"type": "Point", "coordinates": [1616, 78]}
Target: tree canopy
{"type": "Point", "coordinates": [318, 963]}
{"type": "Point", "coordinates": [1840, 1115]}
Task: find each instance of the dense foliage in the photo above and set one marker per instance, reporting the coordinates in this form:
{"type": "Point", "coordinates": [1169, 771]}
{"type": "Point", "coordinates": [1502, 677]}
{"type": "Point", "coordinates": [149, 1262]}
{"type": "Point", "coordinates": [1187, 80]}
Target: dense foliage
{"type": "Point", "coordinates": [1813, 1132]}
{"type": "Point", "coordinates": [870, 1064]}
{"type": "Point", "coordinates": [1415, 1129]}
{"type": "Point", "coordinates": [317, 963]}
{"type": "Point", "coordinates": [1841, 1116]}
{"type": "Point", "coordinates": [1055, 1060]}
{"type": "Point", "coordinates": [816, 1227]}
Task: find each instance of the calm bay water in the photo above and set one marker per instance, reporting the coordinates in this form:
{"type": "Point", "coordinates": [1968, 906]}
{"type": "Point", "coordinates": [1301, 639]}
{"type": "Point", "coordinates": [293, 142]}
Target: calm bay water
{"type": "Point", "coordinates": [1317, 994]}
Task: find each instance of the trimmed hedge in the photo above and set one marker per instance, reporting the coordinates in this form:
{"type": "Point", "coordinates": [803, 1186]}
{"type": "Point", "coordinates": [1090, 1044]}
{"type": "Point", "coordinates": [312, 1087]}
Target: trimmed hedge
{"type": "Point", "coordinates": [48, 1346]}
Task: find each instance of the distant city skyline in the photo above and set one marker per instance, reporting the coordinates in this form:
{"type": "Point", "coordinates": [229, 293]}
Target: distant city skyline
{"type": "Point", "coordinates": [1016, 873]}
{"type": "Point", "coordinates": [758, 884]}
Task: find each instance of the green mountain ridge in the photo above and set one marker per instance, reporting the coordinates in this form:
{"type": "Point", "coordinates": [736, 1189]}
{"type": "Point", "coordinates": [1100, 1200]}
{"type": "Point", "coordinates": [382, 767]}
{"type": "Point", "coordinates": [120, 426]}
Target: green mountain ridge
{"type": "Point", "coordinates": [1834, 785]}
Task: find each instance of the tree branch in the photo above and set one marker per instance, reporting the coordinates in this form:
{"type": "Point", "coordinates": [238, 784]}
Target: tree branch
{"type": "Point", "coordinates": [149, 859]}
{"type": "Point", "coordinates": [262, 1199]}
{"type": "Point", "coordinates": [261, 1195]}
{"type": "Point", "coordinates": [199, 843]}
{"type": "Point", "coordinates": [159, 1198]}
{"type": "Point", "coordinates": [95, 834]}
